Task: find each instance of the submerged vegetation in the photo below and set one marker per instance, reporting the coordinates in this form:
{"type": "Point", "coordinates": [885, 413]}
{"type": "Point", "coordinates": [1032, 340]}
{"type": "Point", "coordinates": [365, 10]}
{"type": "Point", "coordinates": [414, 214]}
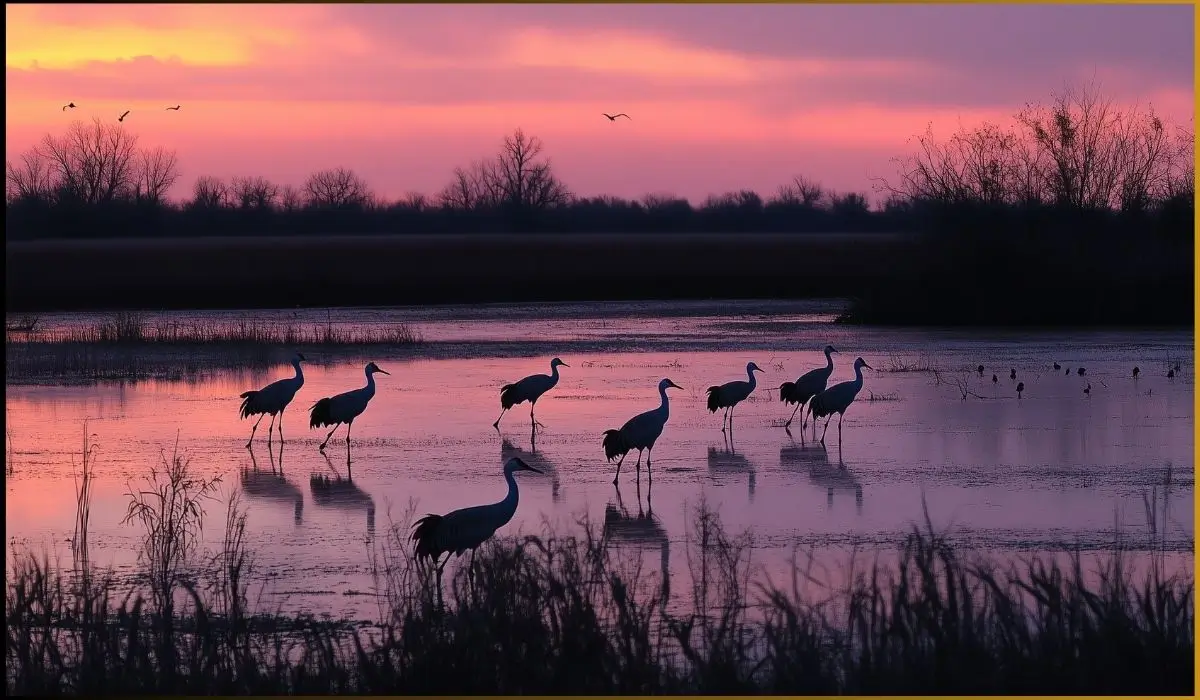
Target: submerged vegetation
{"type": "Point", "coordinates": [576, 614]}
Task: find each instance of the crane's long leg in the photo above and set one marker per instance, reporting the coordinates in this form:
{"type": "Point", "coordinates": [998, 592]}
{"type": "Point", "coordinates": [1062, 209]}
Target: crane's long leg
{"type": "Point", "coordinates": [281, 427]}
{"type": "Point", "coordinates": [638, 466]}
{"type": "Point", "coordinates": [618, 476]}
{"type": "Point", "coordinates": [649, 474]}
{"type": "Point", "coordinates": [840, 417]}
{"type": "Point", "coordinates": [788, 424]}
{"type": "Point", "coordinates": [531, 417]}
{"type": "Point", "coordinates": [724, 418]}
{"type": "Point", "coordinates": [331, 432]}
{"type": "Point", "coordinates": [731, 418]}
{"type": "Point", "coordinates": [254, 430]}
{"type": "Point", "coordinates": [826, 429]}
{"type": "Point", "coordinates": [496, 425]}
{"type": "Point", "coordinates": [270, 430]}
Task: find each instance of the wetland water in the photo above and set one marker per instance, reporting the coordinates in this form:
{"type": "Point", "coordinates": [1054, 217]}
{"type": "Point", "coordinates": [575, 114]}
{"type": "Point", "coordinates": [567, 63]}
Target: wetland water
{"type": "Point", "coordinates": [1050, 472]}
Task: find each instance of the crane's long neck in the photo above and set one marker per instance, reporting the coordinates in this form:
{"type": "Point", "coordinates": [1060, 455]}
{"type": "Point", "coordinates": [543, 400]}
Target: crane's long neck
{"type": "Point", "coordinates": [299, 378]}
{"type": "Point", "coordinates": [751, 380]}
{"type": "Point", "coordinates": [858, 377]}
{"type": "Point", "coordinates": [369, 389]}
{"type": "Point", "coordinates": [828, 363]}
{"type": "Point", "coordinates": [664, 407]}
{"type": "Point", "coordinates": [553, 375]}
{"type": "Point", "coordinates": [509, 505]}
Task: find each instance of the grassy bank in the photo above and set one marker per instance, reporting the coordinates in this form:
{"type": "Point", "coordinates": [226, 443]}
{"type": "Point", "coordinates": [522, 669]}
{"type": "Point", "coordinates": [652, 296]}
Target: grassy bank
{"type": "Point", "coordinates": [286, 272]}
{"type": "Point", "coordinates": [133, 346]}
{"type": "Point", "coordinates": [571, 614]}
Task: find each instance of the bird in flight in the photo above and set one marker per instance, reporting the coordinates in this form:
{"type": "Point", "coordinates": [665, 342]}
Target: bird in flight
{"type": "Point", "coordinates": [613, 117]}
{"type": "Point", "coordinates": [69, 105]}
{"type": "Point", "coordinates": [176, 107]}
{"type": "Point", "coordinates": [122, 117]}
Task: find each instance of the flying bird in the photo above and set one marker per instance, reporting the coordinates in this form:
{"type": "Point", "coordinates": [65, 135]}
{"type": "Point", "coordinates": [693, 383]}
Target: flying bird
{"type": "Point", "coordinates": [69, 105]}
{"type": "Point", "coordinates": [344, 407]}
{"type": "Point", "coordinates": [122, 117]}
{"type": "Point", "coordinates": [730, 394]}
{"type": "Point", "coordinates": [639, 433]}
{"type": "Point", "coordinates": [528, 389]}
{"type": "Point", "coordinates": [836, 399]}
{"type": "Point", "coordinates": [466, 528]}
{"type": "Point", "coordinates": [272, 399]}
{"type": "Point", "coordinates": [613, 117]}
{"type": "Point", "coordinates": [807, 386]}
{"type": "Point", "coordinates": [175, 108]}
{"type": "Point", "coordinates": [1020, 388]}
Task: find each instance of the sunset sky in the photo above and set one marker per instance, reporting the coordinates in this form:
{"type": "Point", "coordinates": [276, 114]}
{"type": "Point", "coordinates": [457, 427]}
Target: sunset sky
{"type": "Point", "coordinates": [722, 97]}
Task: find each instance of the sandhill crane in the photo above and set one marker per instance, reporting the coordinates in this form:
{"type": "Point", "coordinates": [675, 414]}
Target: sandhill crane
{"type": "Point", "coordinates": [272, 399]}
{"type": "Point", "coordinates": [528, 389]}
{"type": "Point", "coordinates": [1020, 388]}
{"type": "Point", "coordinates": [1081, 371]}
{"type": "Point", "coordinates": [980, 370]}
{"type": "Point", "coordinates": [807, 386]}
{"type": "Point", "coordinates": [69, 105]}
{"type": "Point", "coordinates": [344, 408]}
{"type": "Point", "coordinates": [730, 394]}
{"type": "Point", "coordinates": [175, 108]}
{"type": "Point", "coordinates": [836, 399]}
{"type": "Point", "coordinates": [639, 433]}
{"type": "Point", "coordinates": [1012, 374]}
{"type": "Point", "coordinates": [613, 117]}
{"type": "Point", "coordinates": [1057, 366]}
{"type": "Point", "coordinates": [122, 117]}
{"type": "Point", "coordinates": [535, 459]}
{"type": "Point", "coordinates": [466, 528]}
{"type": "Point", "coordinates": [1136, 372]}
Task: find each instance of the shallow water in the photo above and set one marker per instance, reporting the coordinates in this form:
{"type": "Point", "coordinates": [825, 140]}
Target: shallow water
{"type": "Point", "coordinates": [1051, 471]}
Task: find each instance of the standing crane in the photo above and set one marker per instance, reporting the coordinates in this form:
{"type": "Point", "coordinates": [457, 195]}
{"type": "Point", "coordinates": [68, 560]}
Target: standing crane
{"type": "Point", "coordinates": [1020, 388]}
{"type": "Point", "coordinates": [528, 389]}
{"type": "Point", "coordinates": [639, 433]}
{"type": "Point", "coordinates": [271, 400]}
{"type": "Point", "coordinates": [836, 399]}
{"type": "Point", "coordinates": [344, 408]}
{"type": "Point", "coordinates": [807, 386]}
{"type": "Point", "coordinates": [730, 394]}
{"type": "Point", "coordinates": [466, 528]}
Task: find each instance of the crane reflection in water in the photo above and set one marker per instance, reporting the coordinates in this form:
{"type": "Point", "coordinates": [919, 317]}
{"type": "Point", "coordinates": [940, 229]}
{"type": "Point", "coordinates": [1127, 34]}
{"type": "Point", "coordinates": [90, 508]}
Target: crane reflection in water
{"type": "Point", "coordinates": [342, 494]}
{"type": "Point", "coordinates": [638, 532]}
{"type": "Point", "coordinates": [272, 485]}
{"type": "Point", "coordinates": [814, 459]}
{"type": "Point", "coordinates": [535, 459]}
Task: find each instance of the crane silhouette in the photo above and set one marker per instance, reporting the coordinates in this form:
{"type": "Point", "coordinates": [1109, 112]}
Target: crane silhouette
{"type": "Point", "coordinates": [1020, 388]}
{"type": "Point", "coordinates": [122, 117]}
{"type": "Point", "coordinates": [613, 117]}
{"type": "Point", "coordinates": [69, 105]}
{"type": "Point", "coordinates": [730, 394]}
{"type": "Point", "coordinates": [272, 399]}
{"type": "Point", "coordinates": [1136, 372]}
{"type": "Point", "coordinates": [175, 108]}
{"type": "Point", "coordinates": [639, 433]}
{"type": "Point", "coordinates": [344, 408]}
{"type": "Point", "coordinates": [807, 386]}
{"type": "Point", "coordinates": [528, 389]}
{"type": "Point", "coordinates": [466, 528]}
{"type": "Point", "coordinates": [836, 399]}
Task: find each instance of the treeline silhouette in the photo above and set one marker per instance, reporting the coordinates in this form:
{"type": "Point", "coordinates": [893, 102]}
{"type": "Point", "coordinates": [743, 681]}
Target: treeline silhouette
{"type": "Point", "coordinates": [1078, 211]}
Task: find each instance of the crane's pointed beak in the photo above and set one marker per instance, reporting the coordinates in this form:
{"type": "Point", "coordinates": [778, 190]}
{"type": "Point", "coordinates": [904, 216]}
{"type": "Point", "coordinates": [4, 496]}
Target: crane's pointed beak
{"type": "Point", "coordinates": [533, 469]}
{"type": "Point", "coordinates": [383, 371]}
{"type": "Point", "coordinates": [868, 366]}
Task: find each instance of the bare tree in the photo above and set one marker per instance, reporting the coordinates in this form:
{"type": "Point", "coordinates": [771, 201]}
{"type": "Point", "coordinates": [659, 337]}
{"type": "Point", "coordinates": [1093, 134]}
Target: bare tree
{"type": "Point", "coordinates": [339, 187]}
{"type": "Point", "coordinates": [30, 178]}
{"type": "Point", "coordinates": [413, 201]}
{"type": "Point", "coordinates": [516, 179]}
{"type": "Point", "coordinates": [254, 192]}
{"type": "Point", "coordinates": [94, 162]}
{"type": "Point", "coordinates": [157, 170]}
{"type": "Point", "coordinates": [801, 191]}
{"type": "Point", "coordinates": [209, 193]}
{"type": "Point", "coordinates": [291, 198]}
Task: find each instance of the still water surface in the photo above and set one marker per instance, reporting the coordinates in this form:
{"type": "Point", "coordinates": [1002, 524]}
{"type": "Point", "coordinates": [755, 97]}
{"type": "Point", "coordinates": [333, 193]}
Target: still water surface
{"type": "Point", "coordinates": [1054, 470]}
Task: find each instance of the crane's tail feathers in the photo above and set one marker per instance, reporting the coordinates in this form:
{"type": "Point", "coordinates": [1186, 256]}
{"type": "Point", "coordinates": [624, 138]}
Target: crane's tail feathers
{"type": "Point", "coordinates": [817, 407]}
{"type": "Point", "coordinates": [508, 397]}
{"type": "Point", "coordinates": [425, 536]}
{"type": "Point", "coordinates": [320, 415]}
{"type": "Point", "coordinates": [787, 392]}
{"type": "Point", "coordinates": [615, 444]}
{"type": "Point", "coordinates": [714, 398]}
{"type": "Point", "coordinates": [248, 407]}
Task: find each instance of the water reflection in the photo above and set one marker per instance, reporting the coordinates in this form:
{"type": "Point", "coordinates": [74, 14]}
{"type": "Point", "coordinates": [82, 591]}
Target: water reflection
{"type": "Point", "coordinates": [638, 531]}
{"type": "Point", "coordinates": [342, 494]}
{"type": "Point", "coordinates": [535, 459]}
{"type": "Point", "coordinates": [728, 461]}
{"type": "Point", "coordinates": [814, 458]}
{"type": "Point", "coordinates": [272, 485]}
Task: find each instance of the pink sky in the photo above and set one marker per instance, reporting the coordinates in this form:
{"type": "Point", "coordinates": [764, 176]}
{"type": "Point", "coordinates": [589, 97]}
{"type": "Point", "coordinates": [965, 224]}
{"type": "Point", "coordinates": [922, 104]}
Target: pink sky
{"type": "Point", "coordinates": [723, 97]}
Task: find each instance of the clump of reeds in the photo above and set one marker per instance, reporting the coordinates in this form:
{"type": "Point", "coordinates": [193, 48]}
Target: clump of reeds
{"type": "Point", "coordinates": [902, 364]}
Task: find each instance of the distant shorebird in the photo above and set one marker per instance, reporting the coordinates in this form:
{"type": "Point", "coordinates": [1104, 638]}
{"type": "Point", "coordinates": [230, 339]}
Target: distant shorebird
{"type": "Point", "coordinates": [1081, 371]}
{"type": "Point", "coordinates": [613, 117]}
{"type": "Point", "coordinates": [1136, 372]}
{"type": "Point", "coordinates": [122, 117]}
{"type": "Point", "coordinates": [176, 107]}
{"type": "Point", "coordinates": [980, 370]}
{"type": "Point", "coordinates": [1170, 374]}
{"type": "Point", "coordinates": [1087, 390]}
{"type": "Point", "coordinates": [995, 379]}
{"type": "Point", "coordinates": [1020, 388]}
{"type": "Point", "coordinates": [69, 105]}
{"type": "Point", "coordinates": [1012, 374]}
{"type": "Point", "coordinates": [1057, 366]}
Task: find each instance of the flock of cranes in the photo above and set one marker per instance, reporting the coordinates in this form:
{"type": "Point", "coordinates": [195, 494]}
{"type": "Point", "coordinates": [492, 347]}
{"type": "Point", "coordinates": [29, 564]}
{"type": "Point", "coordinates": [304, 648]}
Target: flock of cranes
{"type": "Point", "coordinates": [72, 105]}
{"type": "Point", "coordinates": [438, 537]}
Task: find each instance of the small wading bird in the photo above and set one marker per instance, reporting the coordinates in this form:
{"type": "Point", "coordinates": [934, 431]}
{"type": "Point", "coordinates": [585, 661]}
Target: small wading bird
{"type": "Point", "coordinates": [528, 389]}
{"type": "Point", "coordinates": [639, 433]}
{"type": "Point", "coordinates": [980, 370]}
{"type": "Point", "coordinates": [836, 399]}
{"type": "Point", "coordinates": [1136, 372]}
{"type": "Point", "coordinates": [175, 108]}
{"type": "Point", "coordinates": [1081, 371]}
{"type": "Point", "coordinates": [466, 528]}
{"type": "Point", "coordinates": [1087, 390]}
{"type": "Point", "coordinates": [1020, 388]}
{"type": "Point", "coordinates": [995, 379]}
{"type": "Point", "coordinates": [122, 117]}
{"type": "Point", "coordinates": [730, 394]}
{"type": "Point", "coordinates": [69, 105]}
{"type": "Point", "coordinates": [613, 117]}
{"type": "Point", "coordinates": [344, 408]}
{"type": "Point", "coordinates": [807, 386]}
{"type": "Point", "coordinates": [1012, 374]}
{"type": "Point", "coordinates": [1057, 366]}
{"type": "Point", "coordinates": [272, 399]}
{"type": "Point", "coordinates": [1170, 374]}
